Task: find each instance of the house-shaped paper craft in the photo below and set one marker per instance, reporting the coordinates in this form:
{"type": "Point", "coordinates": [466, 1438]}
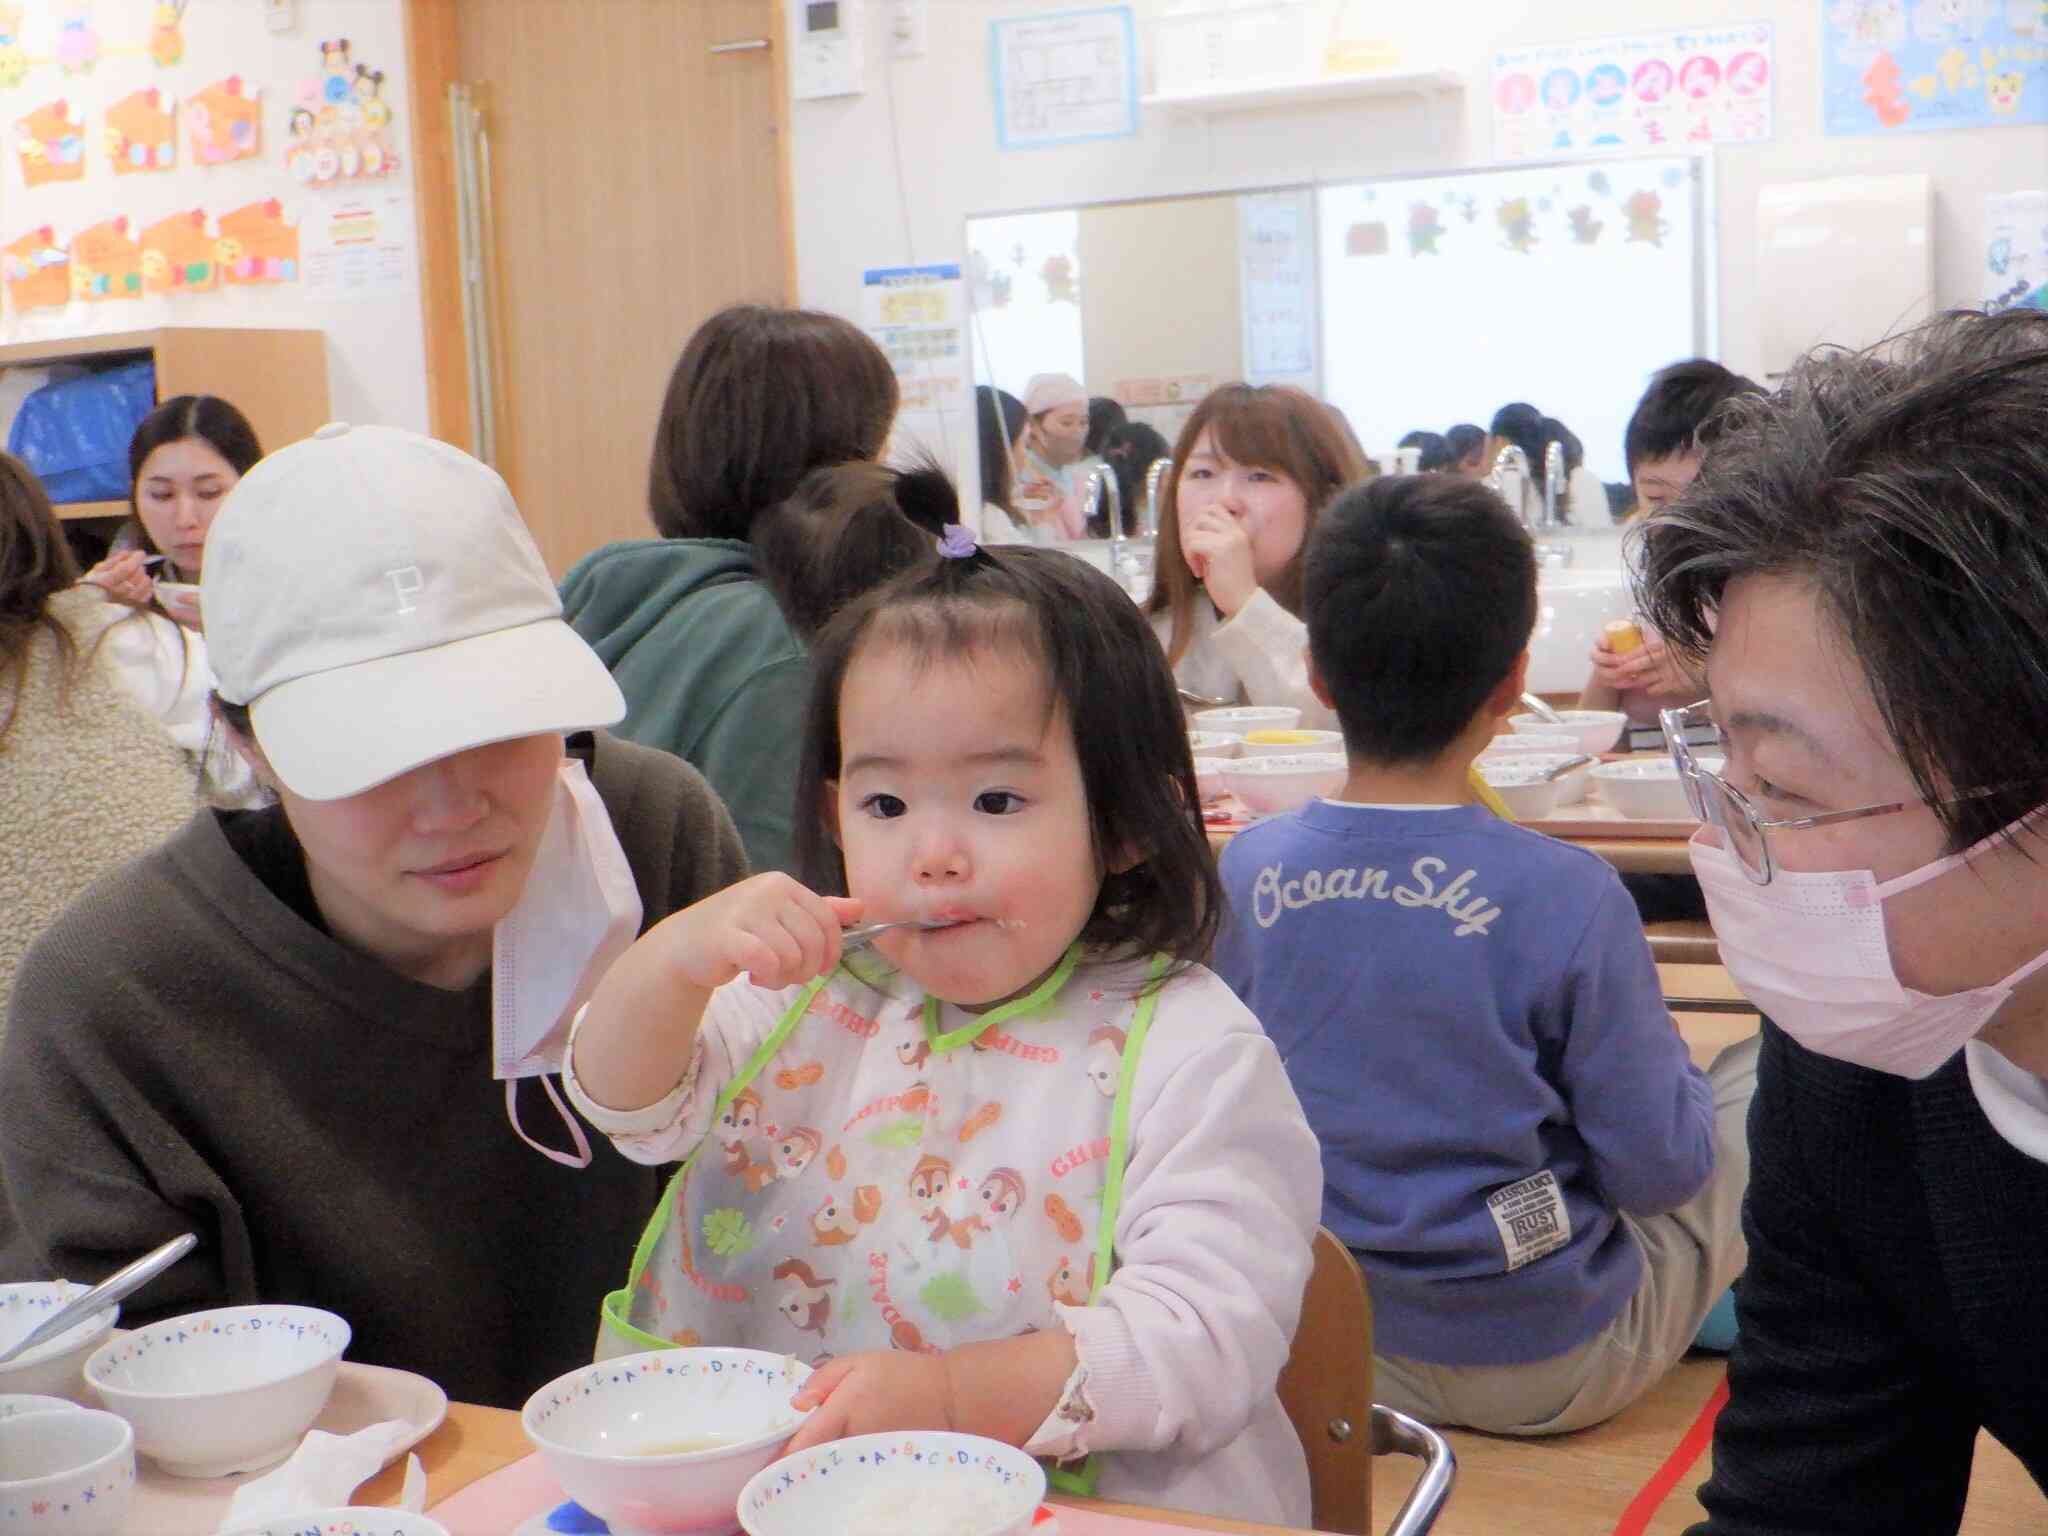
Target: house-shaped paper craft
{"type": "Point", "coordinates": [51, 143]}
{"type": "Point", "coordinates": [225, 122]}
{"type": "Point", "coordinates": [178, 255]}
{"type": "Point", "coordinates": [37, 272]}
{"type": "Point", "coordinates": [142, 133]}
{"type": "Point", "coordinates": [258, 244]}
{"type": "Point", "coordinates": [106, 263]}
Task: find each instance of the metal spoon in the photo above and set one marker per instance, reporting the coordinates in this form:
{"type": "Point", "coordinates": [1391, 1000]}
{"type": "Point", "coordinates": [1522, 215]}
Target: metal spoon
{"type": "Point", "coordinates": [1565, 767]}
{"type": "Point", "coordinates": [1541, 710]}
{"type": "Point", "coordinates": [103, 1295]}
{"type": "Point", "coordinates": [1203, 701]}
{"type": "Point", "coordinates": [865, 933]}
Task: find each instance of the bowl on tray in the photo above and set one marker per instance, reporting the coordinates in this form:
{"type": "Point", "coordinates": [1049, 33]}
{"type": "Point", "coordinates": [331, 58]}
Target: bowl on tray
{"type": "Point", "coordinates": [1571, 784]}
{"type": "Point", "coordinates": [1214, 743]}
{"type": "Point", "coordinates": [1290, 743]}
{"type": "Point", "coordinates": [1592, 730]}
{"type": "Point", "coordinates": [1524, 787]}
{"type": "Point", "coordinates": [65, 1473]}
{"type": "Point", "coordinates": [664, 1441]}
{"type": "Point", "coordinates": [1209, 777]}
{"type": "Point", "coordinates": [1238, 719]}
{"type": "Point", "coordinates": [1271, 785]}
{"type": "Point", "coordinates": [864, 1485]}
{"type": "Point", "coordinates": [224, 1391]}
{"type": "Point", "coordinates": [54, 1368]}
{"type": "Point", "coordinates": [1647, 789]}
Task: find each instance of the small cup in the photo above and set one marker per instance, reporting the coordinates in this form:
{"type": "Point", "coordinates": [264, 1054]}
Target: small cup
{"type": "Point", "coordinates": [66, 1473]}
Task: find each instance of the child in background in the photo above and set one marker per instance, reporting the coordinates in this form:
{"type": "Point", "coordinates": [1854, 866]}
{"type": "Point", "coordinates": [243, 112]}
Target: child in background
{"type": "Point", "coordinates": [1253, 469]}
{"type": "Point", "coordinates": [1467, 444]}
{"type": "Point", "coordinates": [1036, 1176]}
{"type": "Point", "coordinates": [849, 527]}
{"type": "Point", "coordinates": [1543, 1190]}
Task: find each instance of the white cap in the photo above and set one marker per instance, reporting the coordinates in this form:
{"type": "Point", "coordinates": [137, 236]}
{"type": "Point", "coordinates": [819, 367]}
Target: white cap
{"type": "Point", "coordinates": [1050, 391]}
{"type": "Point", "coordinates": [374, 598]}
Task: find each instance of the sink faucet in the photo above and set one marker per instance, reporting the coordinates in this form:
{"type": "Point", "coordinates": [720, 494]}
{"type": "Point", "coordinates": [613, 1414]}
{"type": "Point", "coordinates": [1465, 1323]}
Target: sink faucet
{"type": "Point", "coordinates": [1102, 486]}
{"type": "Point", "coordinates": [1554, 474]}
{"type": "Point", "coordinates": [1155, 489]}
{"type": "Point", "coordinates": [1509, 477]}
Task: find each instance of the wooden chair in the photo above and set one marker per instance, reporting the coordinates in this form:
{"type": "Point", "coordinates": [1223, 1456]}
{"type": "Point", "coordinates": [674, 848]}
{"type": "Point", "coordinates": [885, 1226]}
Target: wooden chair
{"type": "Point", "coordinates": [1682, 941]}
{"type": "Point", "coordinates": [1326, 1388]}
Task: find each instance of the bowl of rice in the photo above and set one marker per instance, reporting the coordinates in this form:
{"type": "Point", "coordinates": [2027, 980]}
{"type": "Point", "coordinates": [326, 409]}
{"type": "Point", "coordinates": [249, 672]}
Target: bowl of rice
{"type": "Point", "coordinates": [916, 1483]}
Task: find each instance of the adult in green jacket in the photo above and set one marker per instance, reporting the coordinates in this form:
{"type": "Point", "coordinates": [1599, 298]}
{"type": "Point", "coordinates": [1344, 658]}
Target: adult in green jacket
{"type": "Point", "coordinates": [709, 664]}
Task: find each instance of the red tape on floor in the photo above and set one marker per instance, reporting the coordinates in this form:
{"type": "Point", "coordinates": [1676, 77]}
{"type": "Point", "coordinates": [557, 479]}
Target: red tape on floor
{"type": "Point", "coordinates": [1635, 1520]}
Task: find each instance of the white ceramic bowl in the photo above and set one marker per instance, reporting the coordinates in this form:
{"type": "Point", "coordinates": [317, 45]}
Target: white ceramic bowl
{"type": "Point", "coordinates": [598, 1426]}
{"type": "Point", "coordinates": [15, 1403]}
{"type": "Point", "coordinates": [1270, 785]}
{"type": "Point", "coordinates": [1209, 781]}
{"type": "Point", "coordinates": [1533, 741]}
{"type": "Point", "coordinates": [65, 1474]}
{"type": "Point", "coordinates": [54, 1367]}
{"type": "Point", "coordinates": [356, 1520]}
{"type": "Point", "coordinates": [214, 1393]}
{"type": "Point", "coordinates": [1239, 718]}
{"type": "Point", "coordinates": [1214, 743]}
{"type": "Point", "coordinates": [1521, 787]}
{"type": "Point", "coordinates": [1646, 789]}
{"type": "Point", "coordinates": [1571, 786]}
{"type": "Point", "coordinates": [843, 1486]}
{"type": "Point", "coordinates": [1595, 730]}
{"type": "Point", "coordinates": [1318, 741]}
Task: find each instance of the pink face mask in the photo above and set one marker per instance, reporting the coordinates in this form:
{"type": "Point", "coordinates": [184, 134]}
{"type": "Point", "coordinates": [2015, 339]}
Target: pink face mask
{"type": "Point", "coordinates": [1810, 951]}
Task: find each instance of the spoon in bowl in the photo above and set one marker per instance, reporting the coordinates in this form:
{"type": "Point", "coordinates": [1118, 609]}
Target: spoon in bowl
{"type": "Point", "coordinates": [1541, 710]}
{"type": "Point", "coordinates": [103, 1295]}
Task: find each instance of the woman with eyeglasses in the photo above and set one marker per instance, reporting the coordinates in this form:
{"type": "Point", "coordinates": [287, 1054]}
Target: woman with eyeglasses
{"type": "Point", "coordinates": [1863, 567]}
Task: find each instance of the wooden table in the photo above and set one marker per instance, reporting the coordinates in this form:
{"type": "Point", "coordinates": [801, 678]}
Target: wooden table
{"type": "Point", "coordinates": [474, 1442]}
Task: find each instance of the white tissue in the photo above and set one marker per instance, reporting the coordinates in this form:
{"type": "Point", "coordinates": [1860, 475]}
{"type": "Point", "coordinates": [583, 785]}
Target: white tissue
{"type": "Point", "coordinates": [323, 1472]}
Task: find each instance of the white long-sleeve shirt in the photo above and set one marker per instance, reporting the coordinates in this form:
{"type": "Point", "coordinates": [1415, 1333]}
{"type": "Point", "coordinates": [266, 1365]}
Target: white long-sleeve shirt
{"type": "Point", "coordinates": [1178, 1353]}
{"type": "Point", "coordinates": [164, 668]}
{"type": "Point", "coordinates": [1258, 656]}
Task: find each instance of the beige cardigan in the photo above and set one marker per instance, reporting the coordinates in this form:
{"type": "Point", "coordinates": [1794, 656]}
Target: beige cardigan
{"type": "Point", "coordinates": [87, 781]}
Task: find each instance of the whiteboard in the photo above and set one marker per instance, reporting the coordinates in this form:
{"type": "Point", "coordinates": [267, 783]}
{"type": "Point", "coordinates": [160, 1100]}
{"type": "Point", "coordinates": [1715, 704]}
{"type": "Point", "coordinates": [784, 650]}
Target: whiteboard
{"type": "Point", "coordinates": [1446, 297]}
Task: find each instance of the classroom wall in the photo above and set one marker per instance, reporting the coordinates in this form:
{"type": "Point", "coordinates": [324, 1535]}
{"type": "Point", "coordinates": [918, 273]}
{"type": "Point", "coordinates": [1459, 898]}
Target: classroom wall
{"type": "Point", "coordinates": [376, 351]}
{"type": "Point", "coordinates": [889, 176]}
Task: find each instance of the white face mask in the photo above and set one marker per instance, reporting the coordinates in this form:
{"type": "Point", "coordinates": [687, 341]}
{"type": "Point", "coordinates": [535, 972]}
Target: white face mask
{"type": "Point", "coordinates": [1810, 951]}
{"type": "Point", "coordinates": [579, 912]}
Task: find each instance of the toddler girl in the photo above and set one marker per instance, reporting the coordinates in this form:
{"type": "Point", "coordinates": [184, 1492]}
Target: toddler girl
{"type": "Point", "coordinates": [1035, 1175]}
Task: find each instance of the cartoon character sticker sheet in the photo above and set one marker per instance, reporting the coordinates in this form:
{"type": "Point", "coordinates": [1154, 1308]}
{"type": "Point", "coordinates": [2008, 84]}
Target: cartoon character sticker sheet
{"type": "Point", "coordinates": [340, 125]}
{"type": "Point", "coordinates": [1655, 90]}
{"type": "Point", "coordinates": [1892, 66]}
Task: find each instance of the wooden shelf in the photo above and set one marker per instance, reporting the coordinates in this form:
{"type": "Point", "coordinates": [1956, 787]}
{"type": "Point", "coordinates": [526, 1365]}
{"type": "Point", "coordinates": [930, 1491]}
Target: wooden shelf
{"type": "Point", "coordinates": [1296, 93]}
{"type": "Point", "coordinates": [75, 511]}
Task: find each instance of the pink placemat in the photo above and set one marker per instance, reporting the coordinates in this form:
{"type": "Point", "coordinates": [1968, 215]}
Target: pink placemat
{"type": "Point", "coordinates": [515, 1501]}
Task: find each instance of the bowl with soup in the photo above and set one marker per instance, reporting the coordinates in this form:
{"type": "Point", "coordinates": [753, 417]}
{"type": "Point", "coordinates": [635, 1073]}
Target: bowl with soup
{"type": "Point", "coordinates": [664, 1441]}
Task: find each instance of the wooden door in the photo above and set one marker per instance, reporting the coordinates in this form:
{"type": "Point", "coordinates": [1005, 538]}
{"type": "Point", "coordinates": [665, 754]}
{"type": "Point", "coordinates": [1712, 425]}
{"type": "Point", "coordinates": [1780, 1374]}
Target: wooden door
{"type": "Point", "coordinates": [639, 182]}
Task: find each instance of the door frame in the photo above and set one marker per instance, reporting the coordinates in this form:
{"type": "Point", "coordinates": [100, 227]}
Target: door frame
{"type": "Point", "coordinates": [432, 57]}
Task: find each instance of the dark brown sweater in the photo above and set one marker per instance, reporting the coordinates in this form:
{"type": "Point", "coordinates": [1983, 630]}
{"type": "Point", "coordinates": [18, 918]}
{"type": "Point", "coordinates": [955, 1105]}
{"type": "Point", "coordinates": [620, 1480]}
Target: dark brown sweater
{"type": "Point", "coordinates": [190, 1051]}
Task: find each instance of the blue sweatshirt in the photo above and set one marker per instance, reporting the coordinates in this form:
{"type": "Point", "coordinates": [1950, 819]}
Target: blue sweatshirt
{"type": "Point", "coordinates": [1473, 1022]}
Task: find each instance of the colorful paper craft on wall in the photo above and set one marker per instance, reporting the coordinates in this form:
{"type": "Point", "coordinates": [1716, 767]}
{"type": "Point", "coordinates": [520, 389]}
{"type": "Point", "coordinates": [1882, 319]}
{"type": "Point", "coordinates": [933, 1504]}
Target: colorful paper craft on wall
{"type": "Point", "coordinates": [224, 122]}
{"type": "Point", "coordinates": [51, 143]}
{"type": "Point", "coordinates": [37, 272]}
{"type": "Point", "coordinates": [178, 255]}
{"type": "Point", "coordinates": [13, 57]}
{"type": "Point", "coordinates": [106, 263]}
{"type": "Point", "coordinates": [340, 124]}
{"type": "Point", "coordinates": [78, 45]}
{"type": "Point", "coordinates": [142, 133]}
{"type": "Point", "coordinates": [258, 244]}
{"type": "Point", "coordinates": [167, 32]}
{"type": "Point", "coordinates": [1905, 65]}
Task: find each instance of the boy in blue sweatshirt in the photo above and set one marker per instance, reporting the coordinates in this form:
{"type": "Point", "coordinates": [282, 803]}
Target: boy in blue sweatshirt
{"type": "Point", "coordinates": [1544, 1192]}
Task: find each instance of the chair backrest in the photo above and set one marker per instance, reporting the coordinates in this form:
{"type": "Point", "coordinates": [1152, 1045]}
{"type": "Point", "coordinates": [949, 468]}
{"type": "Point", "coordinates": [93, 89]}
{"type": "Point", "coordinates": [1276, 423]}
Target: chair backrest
{"type": "Point", "coordinates": [1326, 1388]}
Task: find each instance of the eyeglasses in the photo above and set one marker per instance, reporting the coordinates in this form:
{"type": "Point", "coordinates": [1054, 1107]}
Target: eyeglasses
{"type": "Point", "coordinates": [1725, 808]}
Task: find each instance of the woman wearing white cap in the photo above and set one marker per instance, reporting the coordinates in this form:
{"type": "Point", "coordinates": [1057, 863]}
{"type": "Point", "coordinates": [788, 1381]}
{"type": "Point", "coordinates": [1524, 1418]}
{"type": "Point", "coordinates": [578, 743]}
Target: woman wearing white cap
{"type": "Point", "coordinates": [282, 1029]}
{"type": "Point", "coordinates": [1053, 472]}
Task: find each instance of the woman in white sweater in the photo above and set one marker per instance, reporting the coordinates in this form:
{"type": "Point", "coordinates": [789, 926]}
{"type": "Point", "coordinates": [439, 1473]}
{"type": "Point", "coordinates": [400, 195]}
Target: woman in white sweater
{"type": "Point", "coordinates": [1252, 471]}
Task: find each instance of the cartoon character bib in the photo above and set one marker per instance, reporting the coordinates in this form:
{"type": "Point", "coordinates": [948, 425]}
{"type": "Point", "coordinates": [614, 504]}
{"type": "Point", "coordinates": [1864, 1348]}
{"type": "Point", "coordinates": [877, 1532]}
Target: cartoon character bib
{"type": "Point", "coordinates": [875, 1180]}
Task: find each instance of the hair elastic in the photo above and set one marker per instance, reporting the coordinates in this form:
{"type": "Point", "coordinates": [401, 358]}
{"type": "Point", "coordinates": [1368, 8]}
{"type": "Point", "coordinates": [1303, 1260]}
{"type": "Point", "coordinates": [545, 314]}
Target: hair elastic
{"type": "Point", "coordinates": [956, 543]}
